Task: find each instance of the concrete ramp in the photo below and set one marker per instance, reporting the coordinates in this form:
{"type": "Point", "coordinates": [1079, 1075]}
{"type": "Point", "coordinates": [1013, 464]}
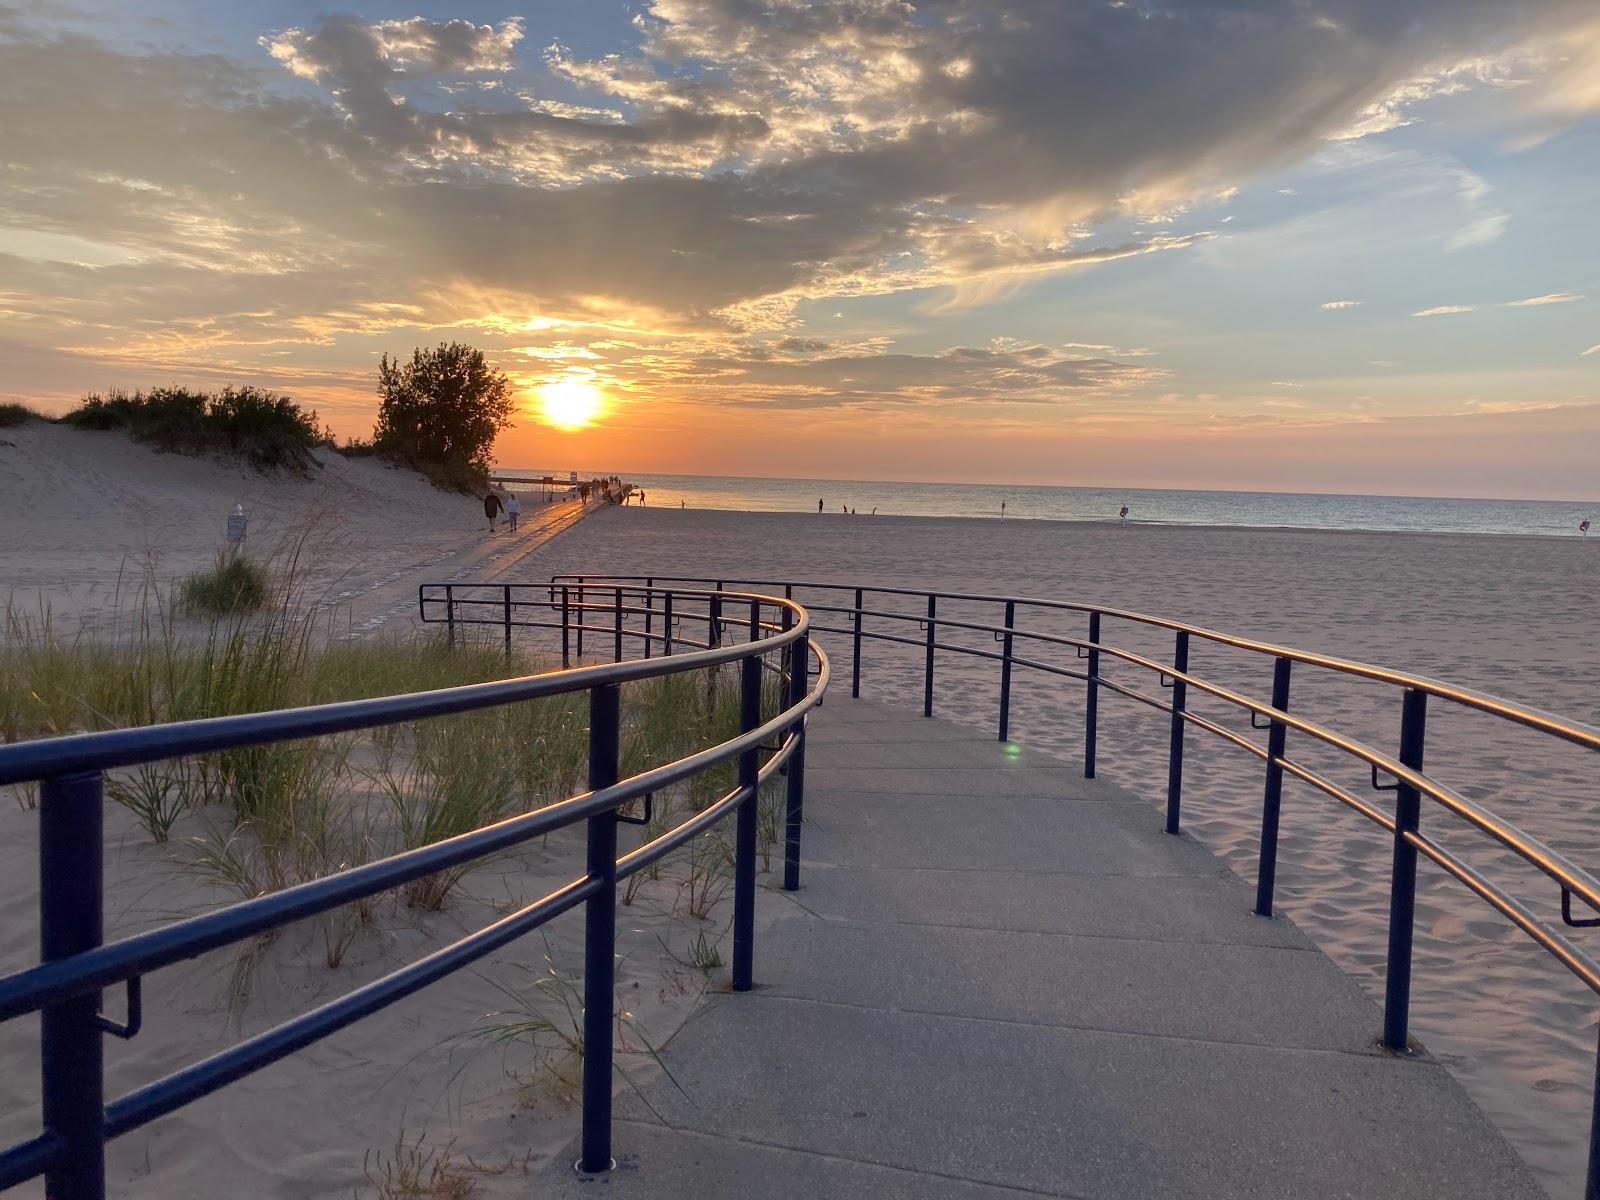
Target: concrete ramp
{"type": "Point", "coordinates": [1000, 979]}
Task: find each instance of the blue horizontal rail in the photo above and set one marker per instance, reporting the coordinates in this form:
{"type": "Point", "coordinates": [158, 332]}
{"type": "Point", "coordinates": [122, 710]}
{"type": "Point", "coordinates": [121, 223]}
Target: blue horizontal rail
{"type": "Point", "coordinates": [65, 986]}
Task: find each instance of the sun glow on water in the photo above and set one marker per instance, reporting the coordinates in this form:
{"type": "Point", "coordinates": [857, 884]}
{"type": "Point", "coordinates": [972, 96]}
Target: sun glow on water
{"type": "Point", "coordinates": [571, 404]}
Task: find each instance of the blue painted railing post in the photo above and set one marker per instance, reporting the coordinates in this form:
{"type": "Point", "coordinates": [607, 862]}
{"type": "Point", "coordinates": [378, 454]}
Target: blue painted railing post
{"type": "Point", "coordinates": [1591, 1185]}
{"type": "Point", "coordinates": [616, 655]}
{"type": "Point", "coordinates": [855, 658]}
{"type": "Point", "coordinates": [583, 619]}
{"type": "Point", "coordinates": [1180, 696]}
{"type": "Point", "coordinates": [507, 605]}
{"type": "Point", "coordinates": [1272, 799]}
{"type": "Point", "coordinates": [649, 613]}
{"type": "Point", "coordinates": [794, 800]}
{"type": "Point", "coordinates": [600, 932]}
{"type": "Point", "coordinates": [566, 630]}
{"type": "Point", "coordinates": [1005, 670]}
{"type": "Point", "coordinates": [1091, 712]}
{"type": "Point", "coordinates": [70, 916]}
{"type": "Point", "coordinates": [1403, 877]}
{"type": "Point", "coordinates": [927, 669]}
{"type": "Point", "coordinates": [714, 621]}
{"type": "Point", "coordinates": [744, 846]}
{"type": "Point", "coordinates": [666, 622]}
{"type": "Point", "coordinates": [450, 615]}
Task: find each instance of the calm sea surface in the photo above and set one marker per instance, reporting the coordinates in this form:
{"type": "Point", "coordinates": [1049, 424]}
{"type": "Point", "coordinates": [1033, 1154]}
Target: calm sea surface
{"type": "Point", "coordinates": [1148, 505]}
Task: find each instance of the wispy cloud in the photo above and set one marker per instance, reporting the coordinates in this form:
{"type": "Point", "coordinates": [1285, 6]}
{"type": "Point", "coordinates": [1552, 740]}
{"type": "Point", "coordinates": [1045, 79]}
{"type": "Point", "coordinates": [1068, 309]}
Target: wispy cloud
{"type": "Point", "coordinates": [1335, 305]}
{"type": "Point", "coordinates": [1445, 310]}
{"type": "Point", "coordinates": [1482, 231]}
{"type": "Point", "coordinates": [1552, 298]}
{"type": "Point", "coordinates": [1594, 349]}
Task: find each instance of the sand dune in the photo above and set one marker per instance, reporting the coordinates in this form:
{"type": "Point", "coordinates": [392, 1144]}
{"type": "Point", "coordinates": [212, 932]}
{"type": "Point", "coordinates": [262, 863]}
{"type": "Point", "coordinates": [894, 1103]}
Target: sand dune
{"type": "Point", "coordinates": [83, 514]}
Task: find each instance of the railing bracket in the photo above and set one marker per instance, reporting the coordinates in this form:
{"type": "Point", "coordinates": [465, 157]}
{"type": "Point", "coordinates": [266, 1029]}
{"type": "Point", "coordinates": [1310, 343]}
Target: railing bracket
{"type": "Point", "coordinates": [1383, 787]}
{"type": "Point", "coordinates": [135, 1020]}
{"type": "Point", "coordinates": [1257, 724]}
{"type": "Point", "coordinates": [649, 812]}
{"type": "Point", "coordinates": [1567, 917]}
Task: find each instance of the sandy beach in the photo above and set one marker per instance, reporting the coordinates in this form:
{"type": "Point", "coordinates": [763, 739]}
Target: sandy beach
{"type": "Point", "coordinates": [1504, 614]}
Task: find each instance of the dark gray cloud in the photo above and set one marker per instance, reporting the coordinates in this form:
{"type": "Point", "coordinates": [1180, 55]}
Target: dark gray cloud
{"type": "Point", "coordinates": [1013, 373]}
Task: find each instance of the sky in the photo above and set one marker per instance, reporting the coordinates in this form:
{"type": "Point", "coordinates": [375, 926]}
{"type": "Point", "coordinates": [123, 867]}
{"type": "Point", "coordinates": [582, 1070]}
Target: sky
{"type": "Point", "coordinates": [1307, 245]}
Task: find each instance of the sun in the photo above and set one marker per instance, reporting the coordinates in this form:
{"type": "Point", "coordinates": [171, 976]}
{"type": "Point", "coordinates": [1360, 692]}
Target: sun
{"type": "Point", "coordinates": [570, 403]}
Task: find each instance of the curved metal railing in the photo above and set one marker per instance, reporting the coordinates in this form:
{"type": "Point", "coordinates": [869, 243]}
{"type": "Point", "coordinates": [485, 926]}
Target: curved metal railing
{"type": "Point", "coordinates": [65, 987]}
{"type": "Point", "coordinates": [577, 596]}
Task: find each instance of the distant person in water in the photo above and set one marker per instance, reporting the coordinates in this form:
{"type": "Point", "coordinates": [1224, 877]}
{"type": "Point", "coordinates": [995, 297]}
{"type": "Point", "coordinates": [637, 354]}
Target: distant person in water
{"type": "Point", "coordinates": [513, 510]}
{"type": "Point", "coordinates": [845, 509]}
{"type": "Point", "coordinates": [1583, 527]}
{"type": "Point", "coordinates": [1124, 514]}
{"type": "Point", "coordinates": [641, 497]}
{"type": "Point", "coordinates": [491, 509]}
{"type": "Point", "coordinates": [819, 508]}
{"type": "Point", "coordinates": [1002, 510]}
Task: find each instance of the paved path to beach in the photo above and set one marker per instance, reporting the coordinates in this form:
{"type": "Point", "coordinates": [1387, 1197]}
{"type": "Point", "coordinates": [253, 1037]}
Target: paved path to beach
{"type": "Point", "coordinates": [999, 979]}
{"type": "Point", "coordinates": [381, 597]}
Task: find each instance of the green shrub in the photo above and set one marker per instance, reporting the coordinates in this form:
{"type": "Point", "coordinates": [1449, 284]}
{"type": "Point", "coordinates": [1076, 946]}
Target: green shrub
{"type": "Point", "coordinates": [358, 448]}
{"type": "Point", "coordinates": [13, 415]}
{"type": "Point", "coordinates": [234, 585]}
{"type": "Point", "coordinates": [265, 429]}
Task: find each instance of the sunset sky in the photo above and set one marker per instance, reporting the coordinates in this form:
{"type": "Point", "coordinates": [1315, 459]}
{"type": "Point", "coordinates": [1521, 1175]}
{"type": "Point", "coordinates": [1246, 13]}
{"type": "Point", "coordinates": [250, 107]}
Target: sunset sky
{"type": "Point", "coordinates": [1344, 245]}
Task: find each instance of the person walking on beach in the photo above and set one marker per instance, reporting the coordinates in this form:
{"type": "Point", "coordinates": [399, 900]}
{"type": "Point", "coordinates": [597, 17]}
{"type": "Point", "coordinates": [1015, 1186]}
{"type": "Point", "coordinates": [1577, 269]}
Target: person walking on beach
{"type": "Point", "coordinates": [513, 510]}
{"type": "Point", "coordinates": [491, 508]}
{"type": "Point", "coordinates": [1124, 514]}
{"type": "Point", "coordinates": [1002, 510]}
{"type": "Point", "coordinates": [1583, 527]}
{"type": "Point", "coordinates": [819, 508]}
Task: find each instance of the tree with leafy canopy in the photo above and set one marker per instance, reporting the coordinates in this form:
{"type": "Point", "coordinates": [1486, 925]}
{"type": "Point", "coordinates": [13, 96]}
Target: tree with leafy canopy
{"type": "Point", "coordinates": [440, 413]}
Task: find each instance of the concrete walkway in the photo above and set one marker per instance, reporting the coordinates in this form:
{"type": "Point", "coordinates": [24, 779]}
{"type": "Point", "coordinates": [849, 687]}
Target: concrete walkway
{"type": "Point", "coordinates": [379, 595]}
{"type": "Point", "coordinates": [999, 979]}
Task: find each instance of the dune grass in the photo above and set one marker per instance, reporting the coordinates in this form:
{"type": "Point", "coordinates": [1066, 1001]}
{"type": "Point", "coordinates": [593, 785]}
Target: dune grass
{"type": "Point", "coordinates": [14, 416]}
{"type": "Point", "coordinates": [262, 428]}
{"type": "Point", "coordinates": [266, 817]}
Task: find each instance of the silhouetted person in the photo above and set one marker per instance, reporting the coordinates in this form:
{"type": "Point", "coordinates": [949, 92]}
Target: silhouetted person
{"type": "Point", "coordinates": [819, 507]}
{"type": "Point", "coordinates": [1124, 514]}
{"type": "Point", "coordinates": [491, 509]}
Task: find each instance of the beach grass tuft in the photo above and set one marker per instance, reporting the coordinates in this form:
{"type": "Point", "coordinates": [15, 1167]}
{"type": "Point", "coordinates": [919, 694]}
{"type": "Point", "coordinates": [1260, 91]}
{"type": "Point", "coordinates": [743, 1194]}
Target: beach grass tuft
{"type": "Point", "coordinates": [413, 1170]}
{"type": "Point", "coordinates": [234, 584]}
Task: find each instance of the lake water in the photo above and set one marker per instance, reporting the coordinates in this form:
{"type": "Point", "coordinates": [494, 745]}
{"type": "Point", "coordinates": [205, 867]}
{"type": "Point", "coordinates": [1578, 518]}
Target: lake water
{"type": "Point", "coordinates": [1295, 510]}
